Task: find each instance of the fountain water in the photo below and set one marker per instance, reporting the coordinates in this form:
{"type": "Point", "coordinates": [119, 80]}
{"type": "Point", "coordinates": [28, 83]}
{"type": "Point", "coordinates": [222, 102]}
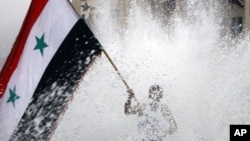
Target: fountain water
{"type": "Point", "coordinates": [203, 72]}
{"type": "Point", "coordinates": [205, 76]}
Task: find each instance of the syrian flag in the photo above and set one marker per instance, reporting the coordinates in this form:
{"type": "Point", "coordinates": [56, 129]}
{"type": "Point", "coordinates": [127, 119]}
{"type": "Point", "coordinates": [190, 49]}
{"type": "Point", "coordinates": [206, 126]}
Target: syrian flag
{"type": "Point", "coordinates": [52, 53]}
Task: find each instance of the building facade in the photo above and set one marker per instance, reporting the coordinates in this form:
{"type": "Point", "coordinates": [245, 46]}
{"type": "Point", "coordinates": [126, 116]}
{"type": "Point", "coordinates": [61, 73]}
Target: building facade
{"type": "Point", "coordinates": [247, 14]}
{"type": "Point", "coordinates": [237, 11]}
{"type": "Point", "coordinates": [240, 15]}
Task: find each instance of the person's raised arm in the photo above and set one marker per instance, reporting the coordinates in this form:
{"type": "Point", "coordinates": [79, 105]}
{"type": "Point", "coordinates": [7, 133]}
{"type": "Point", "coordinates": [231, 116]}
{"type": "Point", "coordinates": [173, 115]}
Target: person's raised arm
{"type": "Point", "coordinates": [127, 107]}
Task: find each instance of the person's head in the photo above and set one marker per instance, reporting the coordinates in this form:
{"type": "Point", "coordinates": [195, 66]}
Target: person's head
{"type": "Point", "coordinates": [155, 93]}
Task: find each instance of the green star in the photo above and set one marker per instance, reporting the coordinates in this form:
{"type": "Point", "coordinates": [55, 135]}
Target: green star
{"type": "Point", "coordinates": [13, 97]}
{"type": "Point", "coordinates": [40, 44]}
{"type": "Point", "coordinates": [85, 7]}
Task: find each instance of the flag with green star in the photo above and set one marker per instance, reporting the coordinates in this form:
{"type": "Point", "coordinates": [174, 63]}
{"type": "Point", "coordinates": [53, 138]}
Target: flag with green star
{"type": "Point", "coordinates": [13, 96]}
{"type": "Point", "coordinates": [52, 53]}
{"type": "Point", "coordinates": [40, 44]}
{"type": "Point", "coordinates": [85, 7]}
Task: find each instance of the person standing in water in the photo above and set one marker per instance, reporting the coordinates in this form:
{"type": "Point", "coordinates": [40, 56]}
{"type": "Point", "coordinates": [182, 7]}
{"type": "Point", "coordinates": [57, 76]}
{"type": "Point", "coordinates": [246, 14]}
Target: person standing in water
{"type": "Point", "coordinates": [155, 119]}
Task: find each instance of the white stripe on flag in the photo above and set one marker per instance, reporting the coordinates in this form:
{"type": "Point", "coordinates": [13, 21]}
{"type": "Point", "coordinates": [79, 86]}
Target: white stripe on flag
{"type": "Point", "coordinates": [55, 21]}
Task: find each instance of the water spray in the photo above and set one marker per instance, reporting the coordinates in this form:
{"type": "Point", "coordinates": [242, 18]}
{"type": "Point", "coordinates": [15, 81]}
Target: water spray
{"type": "Point", "coordinates": [118, 72]}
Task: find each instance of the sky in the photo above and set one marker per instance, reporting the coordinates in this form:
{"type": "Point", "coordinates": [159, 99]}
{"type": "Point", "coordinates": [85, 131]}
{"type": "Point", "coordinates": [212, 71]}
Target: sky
{"type": "Point", "coordinates": [12, 14]}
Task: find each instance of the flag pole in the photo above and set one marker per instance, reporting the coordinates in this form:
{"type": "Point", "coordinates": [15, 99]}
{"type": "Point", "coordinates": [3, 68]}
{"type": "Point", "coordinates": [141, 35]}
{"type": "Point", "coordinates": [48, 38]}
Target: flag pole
{"type": "Point", "coordinates": [118, 72]}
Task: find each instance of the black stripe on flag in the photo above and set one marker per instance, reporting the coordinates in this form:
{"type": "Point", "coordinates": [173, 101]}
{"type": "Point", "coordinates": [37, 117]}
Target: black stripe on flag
{"type": "Point", "coordinates": [59, 81]}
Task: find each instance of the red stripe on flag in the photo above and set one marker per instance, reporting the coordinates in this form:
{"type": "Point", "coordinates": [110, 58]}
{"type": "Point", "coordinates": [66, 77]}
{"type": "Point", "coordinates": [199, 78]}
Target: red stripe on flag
{"type": "Point", "coordinates": [11, 63]}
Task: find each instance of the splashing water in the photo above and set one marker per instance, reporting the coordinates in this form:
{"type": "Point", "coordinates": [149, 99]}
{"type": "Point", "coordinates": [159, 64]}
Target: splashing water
{"type": "Point", "coordinates": [205, 76]}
